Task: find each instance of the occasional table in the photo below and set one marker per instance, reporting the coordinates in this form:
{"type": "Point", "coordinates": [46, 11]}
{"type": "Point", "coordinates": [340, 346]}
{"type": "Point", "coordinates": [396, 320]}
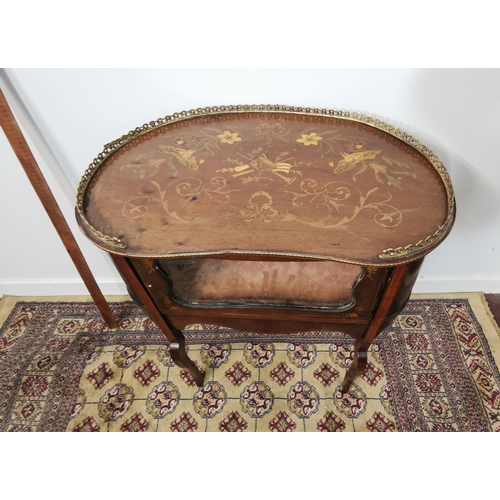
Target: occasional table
{"type": "Point", "coordinates": [267, 219]}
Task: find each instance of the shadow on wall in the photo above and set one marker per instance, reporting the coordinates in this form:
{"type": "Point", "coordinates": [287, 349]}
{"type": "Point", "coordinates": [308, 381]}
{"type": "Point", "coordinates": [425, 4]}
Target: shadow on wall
{"type": "Point", "coordinates": [461, 108]}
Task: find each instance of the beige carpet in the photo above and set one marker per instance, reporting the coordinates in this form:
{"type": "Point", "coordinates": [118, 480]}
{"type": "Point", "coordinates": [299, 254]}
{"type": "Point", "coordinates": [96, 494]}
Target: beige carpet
{"type": "Point", "coordinates": [434, 369]}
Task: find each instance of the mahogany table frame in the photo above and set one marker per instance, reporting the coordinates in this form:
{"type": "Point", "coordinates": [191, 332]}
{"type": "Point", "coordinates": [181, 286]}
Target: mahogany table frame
{"type": "Point", "coordinates": [389, 293]}
{"type": "Point", "coordinates": [379, 296]}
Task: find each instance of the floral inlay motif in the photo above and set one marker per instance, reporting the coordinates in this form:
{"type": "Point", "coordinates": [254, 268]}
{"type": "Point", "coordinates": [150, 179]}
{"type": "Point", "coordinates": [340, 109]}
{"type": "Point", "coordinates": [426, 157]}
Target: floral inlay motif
{"type": "Point", "coordinates": [187, 189]}
{"type": "Point", "coordinates": [229, 137]}
{"type": "Point", "coordinates": [146, 165]}
{"type": "Point", "coordinates": [384, 172]}
{"type": "Point", "coordinates": [310, 139]}
{"type": "Point", "coordinates": [259, 205]}
{"type": "Point", "coordinates": [208, 140]}
{"type": "Point", "coordinates": [335, 203]}
{"type": "Point", "coordinates": [260, 165]}
{"type": "Point", "coordinates": [354, 146]}
{"type": "Point", "coordinates": [271, 131]}
{"type": "Point", "coordinates": [332, 198]}
{"type": "Point", "coordinates": [352, 159]}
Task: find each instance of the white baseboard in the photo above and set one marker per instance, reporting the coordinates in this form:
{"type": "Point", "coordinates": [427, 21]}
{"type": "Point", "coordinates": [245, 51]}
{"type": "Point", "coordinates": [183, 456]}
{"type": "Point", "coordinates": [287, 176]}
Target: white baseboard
{"type": "Point", "coordinates": [424, 284]}
{"type": "Point", "coordinates": [453, 284]}
{"type": "Point", "coordinates": [58, 287]}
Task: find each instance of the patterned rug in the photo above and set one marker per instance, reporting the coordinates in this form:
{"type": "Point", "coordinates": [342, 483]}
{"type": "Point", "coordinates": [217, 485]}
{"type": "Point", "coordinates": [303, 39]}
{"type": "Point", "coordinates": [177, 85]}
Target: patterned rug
{"type": "Point", "coordinates": [434, 369]}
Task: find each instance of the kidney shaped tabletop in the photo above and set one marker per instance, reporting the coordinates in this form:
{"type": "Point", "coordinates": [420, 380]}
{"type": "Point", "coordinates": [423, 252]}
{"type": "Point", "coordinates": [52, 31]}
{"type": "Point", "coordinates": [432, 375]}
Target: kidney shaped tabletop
{"type": "Point", "coordinates": [315, 184]}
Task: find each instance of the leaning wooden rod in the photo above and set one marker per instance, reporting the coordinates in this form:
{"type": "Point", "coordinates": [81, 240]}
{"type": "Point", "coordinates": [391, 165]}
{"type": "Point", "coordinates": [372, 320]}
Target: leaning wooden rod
{"type": "Point", "coordinates": [35, 176]}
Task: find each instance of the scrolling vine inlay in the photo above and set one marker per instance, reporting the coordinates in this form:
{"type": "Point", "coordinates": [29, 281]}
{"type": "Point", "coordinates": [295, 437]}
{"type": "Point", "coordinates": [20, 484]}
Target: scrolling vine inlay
{"type": "Point", "coordinates": [232, 173]}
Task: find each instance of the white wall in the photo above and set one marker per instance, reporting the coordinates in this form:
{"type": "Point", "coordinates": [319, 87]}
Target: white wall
{"type": "Point", "coordinates": [454, 112]}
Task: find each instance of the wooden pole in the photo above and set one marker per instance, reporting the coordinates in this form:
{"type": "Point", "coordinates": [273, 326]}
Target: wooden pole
{"type": "Point", "coordinates": [35, 176]}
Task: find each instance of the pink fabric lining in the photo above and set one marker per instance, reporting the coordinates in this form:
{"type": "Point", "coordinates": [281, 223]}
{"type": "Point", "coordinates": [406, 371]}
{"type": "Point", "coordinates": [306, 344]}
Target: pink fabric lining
{"type": "Point", "coordinates": [212, 281]}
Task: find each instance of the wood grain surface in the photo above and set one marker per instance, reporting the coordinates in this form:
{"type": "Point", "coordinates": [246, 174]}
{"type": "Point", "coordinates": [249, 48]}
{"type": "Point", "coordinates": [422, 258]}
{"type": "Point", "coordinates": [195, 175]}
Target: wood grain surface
{"type": "Point", "coordinates": [267, 183]}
